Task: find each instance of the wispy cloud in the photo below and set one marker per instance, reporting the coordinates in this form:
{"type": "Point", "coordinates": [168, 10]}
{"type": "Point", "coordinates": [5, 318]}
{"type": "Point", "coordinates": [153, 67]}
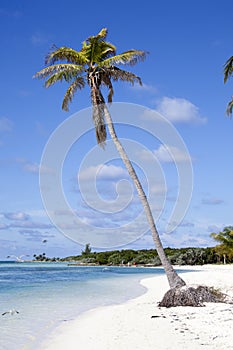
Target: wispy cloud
{"type": "Point", "coordinates": [40, 128]}
{"type": "Point", "coordinates": [187, 224]}
{"type": "Point", "coordinates": [24, 93]}
{"type": "Point", "coordinates": [23, 220]}
{"type": "Point", "coordinates": [38, 39]}
{"type": "Point", "coordinates": [212, 201]}
{"type": "Point", "coordinates": [179, 110]}
{"type": "Point", "coordinates": [145, 87]}
{"type": "Point", "coordinates": [214, 228]}
{"type": "Point", "coordinates": [30, 224]}
{"type": "Point", "coordinates": [12, 14]}
{"type": "Point", "coordinates": [18, 216]}
{"type": "Point", "coordinates": [166, 154]}
{"type": "Point", "coordinates": [35, 235]}
{"type": "Point", "coordinates": [159, 189]}
{"type": "Point", "coordinates": [5, 124]}
{"type": "Point", "coordinates": [33, 168]}
{"type": "Point", "coordinates": [3, 226]}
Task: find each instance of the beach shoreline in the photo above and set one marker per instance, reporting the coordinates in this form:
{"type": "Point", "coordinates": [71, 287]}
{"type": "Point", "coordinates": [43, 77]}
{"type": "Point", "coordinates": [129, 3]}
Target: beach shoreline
{"type": "Point", "coordinates": [131, 325]}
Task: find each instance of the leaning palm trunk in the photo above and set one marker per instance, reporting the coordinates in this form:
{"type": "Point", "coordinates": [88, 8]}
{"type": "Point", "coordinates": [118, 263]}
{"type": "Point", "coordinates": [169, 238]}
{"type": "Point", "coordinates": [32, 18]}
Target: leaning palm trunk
{"type": "Point", "coordinates": [174, 279]}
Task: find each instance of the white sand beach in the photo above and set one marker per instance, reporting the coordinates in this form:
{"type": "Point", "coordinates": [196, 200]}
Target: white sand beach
{"type": "Point", "coordinates": [130, 326]}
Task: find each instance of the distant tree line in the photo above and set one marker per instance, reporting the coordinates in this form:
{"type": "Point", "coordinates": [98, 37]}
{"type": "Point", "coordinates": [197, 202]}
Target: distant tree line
{"type": "Point", "coordinates": [182, 256]}
{"type": "Point", "coordinates": [148, 257]}
{"type": "Point", "coordinates": [43, 257]}
{"type": "Point", "coordinates": [222, 253]}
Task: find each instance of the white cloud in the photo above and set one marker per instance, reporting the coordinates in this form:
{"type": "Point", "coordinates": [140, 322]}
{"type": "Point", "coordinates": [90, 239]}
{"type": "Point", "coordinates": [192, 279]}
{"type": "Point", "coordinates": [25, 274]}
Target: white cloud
{"type": "Point", "coordinates": [103, 172]}
{"type": "Point", "coordinates": [179, 110]}
{"type": "Point", "coordinates": [169, 154]}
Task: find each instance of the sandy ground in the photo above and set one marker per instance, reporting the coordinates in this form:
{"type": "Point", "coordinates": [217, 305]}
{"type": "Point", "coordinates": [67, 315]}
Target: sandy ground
{"type": "Point", "coordinates": [129, 326]}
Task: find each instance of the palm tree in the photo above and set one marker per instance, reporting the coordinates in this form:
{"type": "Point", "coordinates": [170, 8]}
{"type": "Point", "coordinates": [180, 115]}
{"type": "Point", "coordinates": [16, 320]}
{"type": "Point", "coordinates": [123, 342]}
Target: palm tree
{"type": "Point", "coordinates": [228, 72]}
{"type": "Point", "coordinates": [225, 237]}
{"type": "Point", "coordinates": [96, 65]}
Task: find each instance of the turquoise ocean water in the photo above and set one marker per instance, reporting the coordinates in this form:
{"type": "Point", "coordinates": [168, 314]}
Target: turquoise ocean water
{"type": "Point", "coordinates": [47, 294]}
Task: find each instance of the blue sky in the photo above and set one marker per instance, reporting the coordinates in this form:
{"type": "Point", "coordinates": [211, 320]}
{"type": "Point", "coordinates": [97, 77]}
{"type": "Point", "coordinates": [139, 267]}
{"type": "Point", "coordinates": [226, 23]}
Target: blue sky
{"type": "Point", "coordinates": [188, 43]}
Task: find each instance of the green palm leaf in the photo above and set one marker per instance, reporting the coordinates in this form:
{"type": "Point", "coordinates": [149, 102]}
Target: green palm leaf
{"type": "Point", "coordinates": [130, 57]}
{"type": "Point", "coordinates": [100, 36]}
{"type": "Point", "coordinates": [57, 68]}
{"type": "Point", "coordinates": [95, 49]}
{"type": "Point", "coordinates": [65, 54]}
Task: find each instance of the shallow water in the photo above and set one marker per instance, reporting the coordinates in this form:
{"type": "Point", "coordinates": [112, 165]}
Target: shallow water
{"type": "Point", "coordinates": [46, 294]}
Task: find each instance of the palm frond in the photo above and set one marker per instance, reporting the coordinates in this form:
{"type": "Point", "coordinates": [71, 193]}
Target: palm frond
{"type": "Point", "coordinates": [107, 49]}
{"type": "Point", "coordinates": [225, 237]}
{"type": "Point", "coordinates": [68, 75]}
{"type": "Point", "coordinates": [219, 238]}
{"type": "Point", "coordinates": [120, 74]}
{"type": "Point", "coordinates": [229, 109]}
{"type": "Point", "coordinates": [79, 83]}
{"type": "Point", "coordinates": [59, 76]}
{"type": "Point", "coordinates": [216, 237]}
{"type": "Point", "coordinates": [103, 51]}
{"type": "Point", "coordinates": [105, 79]}
{"type": "Point", "coordinates": [100, 36]}
{"type": "Point", "coordinates": [130, 57]}
{"type": "Point", "coordinates": [96, 49]}
{"type": "Point", "coordinates": [56, 68]}
{"type": "Point", "coordinates": [228, 69]}
{"type": "Point", "coordinates": [65, 54]}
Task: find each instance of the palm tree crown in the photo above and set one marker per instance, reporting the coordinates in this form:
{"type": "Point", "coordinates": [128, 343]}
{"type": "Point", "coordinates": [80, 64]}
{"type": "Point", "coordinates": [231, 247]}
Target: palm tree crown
{"type": "Point", "coordinates": [225, 237]}
{"type": "Point", "coordinates": [96, 65]}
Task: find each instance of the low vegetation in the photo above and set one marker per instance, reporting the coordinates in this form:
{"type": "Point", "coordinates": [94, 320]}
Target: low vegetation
{"type": "Point", "coordinates": [147, 257]}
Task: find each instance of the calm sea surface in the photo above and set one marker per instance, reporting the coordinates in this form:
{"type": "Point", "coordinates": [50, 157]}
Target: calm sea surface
{"type": "Point", "coordinates": [46, 294]}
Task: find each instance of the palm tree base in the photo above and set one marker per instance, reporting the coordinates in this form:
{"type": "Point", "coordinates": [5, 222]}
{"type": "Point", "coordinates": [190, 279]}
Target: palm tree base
{"type": "Point", "coordinates": [193, 296]}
